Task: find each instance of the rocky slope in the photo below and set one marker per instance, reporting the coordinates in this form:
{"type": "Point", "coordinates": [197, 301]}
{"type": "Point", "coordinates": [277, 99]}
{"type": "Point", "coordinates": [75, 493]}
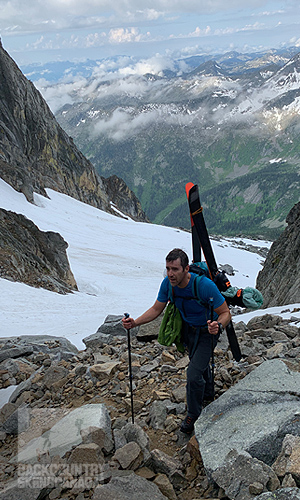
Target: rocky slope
{"type": "Point", "coordinates": [279, 280]}
{"type": "Point", "coordinates": [112, 458]}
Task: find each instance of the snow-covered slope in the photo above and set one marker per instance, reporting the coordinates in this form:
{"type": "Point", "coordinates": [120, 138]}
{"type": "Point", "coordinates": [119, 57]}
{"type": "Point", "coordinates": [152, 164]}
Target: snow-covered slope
{"type": "Point", "coordinates": [118, 265]}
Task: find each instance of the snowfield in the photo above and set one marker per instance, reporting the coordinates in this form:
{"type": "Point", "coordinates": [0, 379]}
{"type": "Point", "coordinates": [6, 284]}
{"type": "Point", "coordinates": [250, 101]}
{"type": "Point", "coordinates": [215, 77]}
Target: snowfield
{"type": "Point", "coordinates": [118, 265]}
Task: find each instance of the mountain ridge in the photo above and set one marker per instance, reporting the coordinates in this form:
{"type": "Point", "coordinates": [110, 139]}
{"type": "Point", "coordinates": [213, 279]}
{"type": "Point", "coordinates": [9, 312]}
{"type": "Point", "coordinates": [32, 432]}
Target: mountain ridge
{"type": "Point", "coordinates": [158, 134]}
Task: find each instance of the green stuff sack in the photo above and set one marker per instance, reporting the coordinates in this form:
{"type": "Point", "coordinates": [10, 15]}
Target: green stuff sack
{"type": "Point", "coordinates": [247, 297]}
{"type": "Point", "coordinates": [170, 328]}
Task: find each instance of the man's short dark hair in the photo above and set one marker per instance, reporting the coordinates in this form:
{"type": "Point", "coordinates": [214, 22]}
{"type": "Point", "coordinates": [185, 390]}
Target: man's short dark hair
{"type": "Point", "coordinates": [177, 253]}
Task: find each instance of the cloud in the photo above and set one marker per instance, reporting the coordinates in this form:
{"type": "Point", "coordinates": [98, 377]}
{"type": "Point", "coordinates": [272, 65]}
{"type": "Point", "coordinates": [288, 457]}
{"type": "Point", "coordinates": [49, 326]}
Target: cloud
{"type": "Point", "coordinates": [295, 41]}
{"type": "Point", "coordinates": [155, 65]}
{"type": "Point", "coordinates": [124, 123]}
{"type": "Point", "coordinates": [53, 15]}
{"type": "Point", "coordinates": [270, 13]}
{"type": "Point", "coordinates": [60, 94]}
{"type": "Point", "coordinates": [197, 33]}
{"type": "Point", "coordinates": [126, 35]}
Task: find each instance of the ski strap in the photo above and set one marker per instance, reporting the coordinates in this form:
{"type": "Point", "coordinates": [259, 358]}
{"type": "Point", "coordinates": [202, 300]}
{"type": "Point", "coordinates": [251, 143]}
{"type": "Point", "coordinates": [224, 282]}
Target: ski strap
{"type": "Point", "coordinates": [198, 211]}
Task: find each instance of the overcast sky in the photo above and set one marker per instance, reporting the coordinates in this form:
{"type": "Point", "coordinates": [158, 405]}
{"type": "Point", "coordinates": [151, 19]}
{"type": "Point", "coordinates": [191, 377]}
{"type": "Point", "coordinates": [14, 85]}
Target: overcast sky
{"type": "Point", "coordinates": [49, 30]}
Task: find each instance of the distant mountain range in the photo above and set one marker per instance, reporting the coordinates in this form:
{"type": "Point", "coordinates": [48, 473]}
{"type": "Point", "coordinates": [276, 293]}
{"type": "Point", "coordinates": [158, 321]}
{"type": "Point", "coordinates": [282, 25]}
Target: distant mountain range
{"type": "Point", "coordinates": [230, 124]}
{"type": "Point", "coordinates": [231, 62]}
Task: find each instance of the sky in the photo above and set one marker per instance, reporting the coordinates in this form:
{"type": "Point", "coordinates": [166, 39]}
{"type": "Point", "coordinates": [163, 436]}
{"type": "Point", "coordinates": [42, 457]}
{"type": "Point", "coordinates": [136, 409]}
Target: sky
{"type": "Point", "coordinates": [118, 265]}
{"type": "Point", "coordinates": [40, 31]}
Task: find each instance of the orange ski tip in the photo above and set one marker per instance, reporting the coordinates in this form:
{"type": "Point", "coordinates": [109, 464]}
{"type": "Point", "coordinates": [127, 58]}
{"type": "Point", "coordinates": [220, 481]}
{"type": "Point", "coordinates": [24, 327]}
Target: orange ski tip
{"type": "Point", "coordinates": [188, 187]}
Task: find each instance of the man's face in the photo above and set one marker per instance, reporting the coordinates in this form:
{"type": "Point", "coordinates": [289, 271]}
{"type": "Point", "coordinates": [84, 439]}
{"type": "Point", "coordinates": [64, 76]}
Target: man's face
{"type": "Point", "coordinates": [175, 272]}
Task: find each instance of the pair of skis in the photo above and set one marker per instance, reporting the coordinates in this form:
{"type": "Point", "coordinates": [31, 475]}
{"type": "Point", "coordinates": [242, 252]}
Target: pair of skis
{"type": "Point", "coordinates": [201, 241]}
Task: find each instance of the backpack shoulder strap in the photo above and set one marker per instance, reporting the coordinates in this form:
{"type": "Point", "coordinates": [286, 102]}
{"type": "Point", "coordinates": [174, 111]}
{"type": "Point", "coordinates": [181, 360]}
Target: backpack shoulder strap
{"type": "Point", "coordinates": [195, 291]}
{"type": "Point", "coordinates": [171, 293]}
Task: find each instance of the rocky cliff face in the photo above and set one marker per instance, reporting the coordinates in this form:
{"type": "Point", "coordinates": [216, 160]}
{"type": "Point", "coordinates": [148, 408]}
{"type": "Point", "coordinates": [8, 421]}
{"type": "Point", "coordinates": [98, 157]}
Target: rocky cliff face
{"type": "Point", "coordinates": [35, 152]}
{"type": "Point", "coordinates": [32, 256]}
{"type": "Point", "coordinates": [124, 198]}
{"type": "Point", "coordinates": [279, 280]}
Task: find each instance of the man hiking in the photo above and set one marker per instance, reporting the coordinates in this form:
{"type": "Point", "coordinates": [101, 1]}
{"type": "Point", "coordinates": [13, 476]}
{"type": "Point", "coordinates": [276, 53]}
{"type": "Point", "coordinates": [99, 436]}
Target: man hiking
{"type": "Point", "coordinates": [198, 328]}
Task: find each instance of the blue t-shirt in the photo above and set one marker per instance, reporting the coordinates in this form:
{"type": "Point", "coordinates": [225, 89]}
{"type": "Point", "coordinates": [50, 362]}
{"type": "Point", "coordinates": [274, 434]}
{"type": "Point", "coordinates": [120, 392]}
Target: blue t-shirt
{"type": "Point", "coordinates": [192, 312]}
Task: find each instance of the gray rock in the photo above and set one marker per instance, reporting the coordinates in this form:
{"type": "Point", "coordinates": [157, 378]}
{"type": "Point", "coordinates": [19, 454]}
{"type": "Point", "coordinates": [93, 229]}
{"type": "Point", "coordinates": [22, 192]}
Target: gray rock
{"type": "Point", "coordinates": [22, 387]}
{"type": "Point", "coordinates": [66, 433]}
{"type": "Point", "coordinates": [10, 366]}
{"type": "Point", "coordinates": [281, 494]}
{"type": "Point", "coordinates": [240, 327]}
{"type": "Point", "coordinates": [50, 344]}
{"type": "Point", "coordinates": [133, 432]}
{"type": "Point", "coordinates": [288, 461]}
{"type": "Point", "coordinates": [162, 463]}
{"type": "Point", "coordinates": [129, 487]}
{"type": "Point", "coordinates": [279, 280]}
{"type": "Point", "coordinates": [130, 456]}
{"type": "Point", "coordinates": [43, 264]}
{"type": "Point", "coordinates": [15, 352]}
{"type": "Point", "coordinates": [290, 330]}
{"type": "Point", "coordinates": [99, 437]}
{"type": "Point", "coordinates": [228, 269]}
{"type": "Point", "coordinates": [242, 476]}
{"type": "Point", "coordinates": [252, 416]}
{"type": "Point", "coordinates": [168, 369]}
{"type": "Point", "coordinates": [15, 490]}
{"type": "Point", "coordinates": [265, 321]}
{"type": "Point", "coordinates": [18, 421]}
{"type": "Point", "coordinates": [179, 394]}
{"type": "Point", "coordinates": [158, 413]}
{"type": "Point", "coordinates": [98, 340]}
{"type": "Point", "coordinates": [149, 331]}
{"type": "Point", "coordinates": [113, 326]}
{"type": "Point", "coordinates": [54, 374]}
{"type": "Point", "coordinates": [149, 367]}
{"type": "Point", "coordinates": [119, 438]}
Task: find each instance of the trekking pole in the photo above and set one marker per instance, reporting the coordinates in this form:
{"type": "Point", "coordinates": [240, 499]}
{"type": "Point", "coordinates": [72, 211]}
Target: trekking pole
{"type": "Point", "coordinates": [211, 305]}
{"type": "Point", "coordinates": [130, 369]}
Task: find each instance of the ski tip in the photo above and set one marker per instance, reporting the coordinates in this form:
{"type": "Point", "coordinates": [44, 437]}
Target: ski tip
{"type": "Point", "coordinates": [188, 187]}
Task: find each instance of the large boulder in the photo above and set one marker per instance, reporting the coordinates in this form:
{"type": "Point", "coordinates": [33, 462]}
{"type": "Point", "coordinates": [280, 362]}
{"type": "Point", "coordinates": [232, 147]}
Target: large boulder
{"type": "Point", "coordinates": [128, 487]}
{"type": "Point", "coordinates": [34, 257]}
{"type": "Point", "coordinates": [253, 416]}
{"type": "Point", "coordinates": [68, 432]}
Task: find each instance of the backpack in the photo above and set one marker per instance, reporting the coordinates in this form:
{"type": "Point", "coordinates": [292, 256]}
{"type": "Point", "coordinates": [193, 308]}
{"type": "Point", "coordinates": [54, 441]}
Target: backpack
{"type": "Point", "coordinates": [234, 296]}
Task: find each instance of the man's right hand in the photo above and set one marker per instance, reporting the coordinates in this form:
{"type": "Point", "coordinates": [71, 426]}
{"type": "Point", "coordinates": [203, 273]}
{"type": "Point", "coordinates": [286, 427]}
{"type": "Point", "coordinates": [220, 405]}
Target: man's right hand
{"type": "Point", "coordinates": [128, 323]}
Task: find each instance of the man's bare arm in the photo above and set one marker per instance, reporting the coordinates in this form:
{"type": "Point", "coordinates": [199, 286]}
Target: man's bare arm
{"type": "Point", "coordinates": [149, 315]}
